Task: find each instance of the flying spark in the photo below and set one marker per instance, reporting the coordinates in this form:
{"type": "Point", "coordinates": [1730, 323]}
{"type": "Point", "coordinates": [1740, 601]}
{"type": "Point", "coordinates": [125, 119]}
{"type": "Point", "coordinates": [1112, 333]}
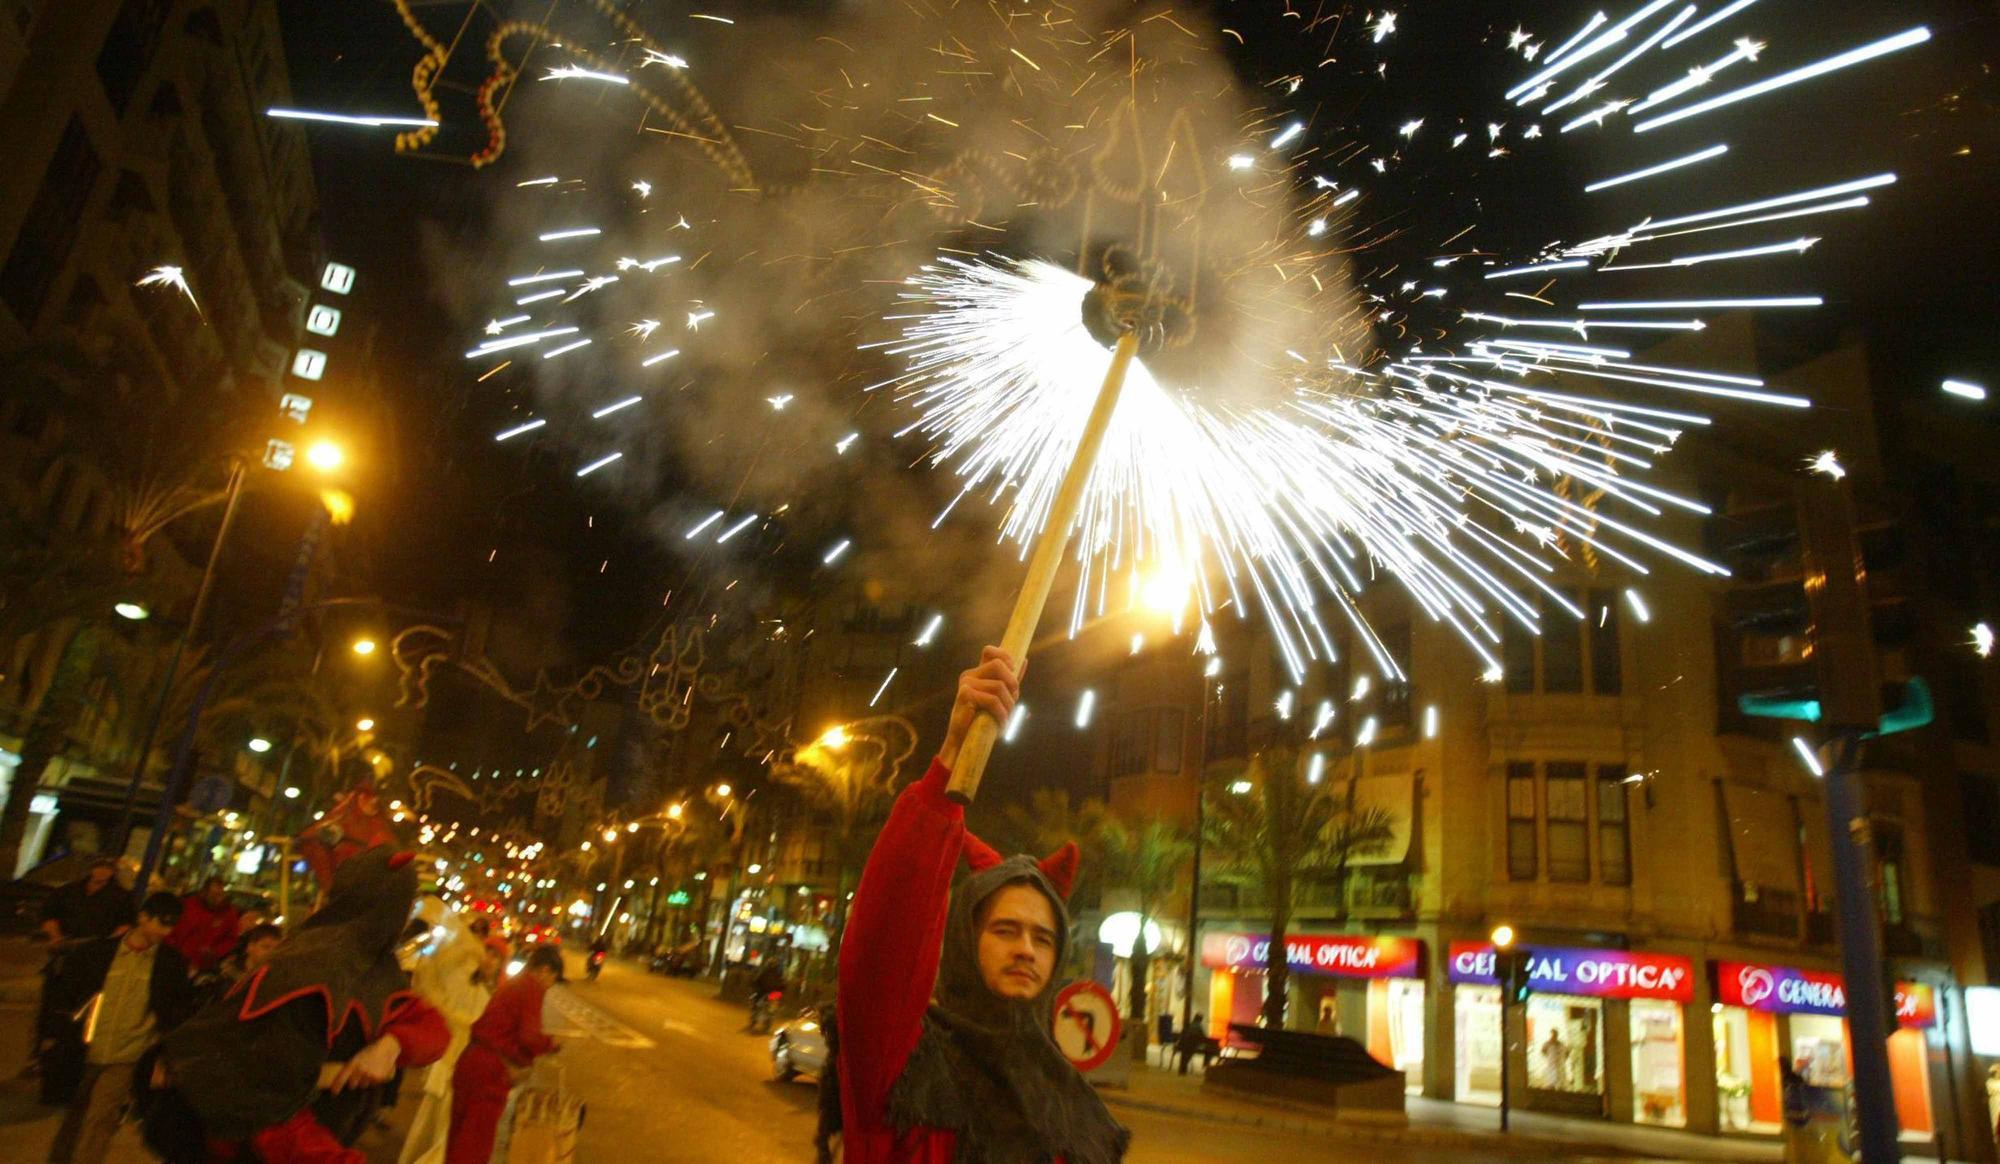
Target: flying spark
{"type": "Point", "coordinates": [168, 276]}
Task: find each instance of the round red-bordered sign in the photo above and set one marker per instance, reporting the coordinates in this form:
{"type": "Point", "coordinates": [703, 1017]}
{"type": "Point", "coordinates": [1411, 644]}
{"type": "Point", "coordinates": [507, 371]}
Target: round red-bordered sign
{"type": "Point", "coordinates": [1087, 1026]}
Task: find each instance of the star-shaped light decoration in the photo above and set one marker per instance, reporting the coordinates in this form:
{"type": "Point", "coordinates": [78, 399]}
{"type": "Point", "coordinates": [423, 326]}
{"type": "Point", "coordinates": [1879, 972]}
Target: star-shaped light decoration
{"type": "Point", "coordinates": [165, 275]}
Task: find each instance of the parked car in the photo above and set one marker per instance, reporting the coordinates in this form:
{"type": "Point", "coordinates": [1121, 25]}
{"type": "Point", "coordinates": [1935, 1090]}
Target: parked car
{"type": "Point", "coordinates": [798, 1047]}
{"type": "Point", "coordinates": [680, 962]}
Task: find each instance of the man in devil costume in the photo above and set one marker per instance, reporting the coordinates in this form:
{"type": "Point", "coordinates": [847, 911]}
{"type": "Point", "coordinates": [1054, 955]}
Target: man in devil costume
{"type": "Point", "coordinates": [263, 1072]}
{"type": "Point", "coordinates": [944, 1051]}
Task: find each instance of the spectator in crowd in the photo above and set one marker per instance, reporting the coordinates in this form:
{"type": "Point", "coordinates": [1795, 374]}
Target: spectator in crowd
{"type": "Point", "coordinates": [252, 949]}
{"type": "Point", "coordinates": [505, 1042]}
{"type": "Point", "coordinates": [117, 995]}
{"type": "Point", "coordinates": [92, 906]}
{"type": "Point", "coordinates": [208, 926]}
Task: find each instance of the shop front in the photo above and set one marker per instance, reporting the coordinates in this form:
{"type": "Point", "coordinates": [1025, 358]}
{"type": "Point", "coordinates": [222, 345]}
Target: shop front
{"type": "Point", "coordinates": [1764, 1014]}
{"type": "Point", "coordinates": [1592, 1019]}
{"type": "Point", "coordinates": [1368, 988]}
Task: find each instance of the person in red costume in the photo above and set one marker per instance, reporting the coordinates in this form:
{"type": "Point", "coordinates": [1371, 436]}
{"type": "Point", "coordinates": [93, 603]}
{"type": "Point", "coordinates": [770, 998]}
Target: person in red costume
{"type": "Point", "coordinates": [207, 929]}
{"type": "Point", "coordinates": [942, 1045]}
{"type": "Point", "coordinates": [506, 1039]}
{"type": "Point", "coordinates": [286, 1066]}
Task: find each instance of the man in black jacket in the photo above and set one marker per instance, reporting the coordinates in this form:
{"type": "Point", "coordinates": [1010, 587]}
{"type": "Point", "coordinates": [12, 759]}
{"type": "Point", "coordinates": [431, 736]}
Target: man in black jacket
{"type": "Point", "coordinates": [113, 999]}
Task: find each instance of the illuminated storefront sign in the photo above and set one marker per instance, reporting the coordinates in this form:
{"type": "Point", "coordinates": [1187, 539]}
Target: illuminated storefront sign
{"type": "Point", "coordinates": [1343, 955]}
{"type": "Point", "coordinates": [1787, 990]}
{"type": "Point", "coordinates": [1597, 973]}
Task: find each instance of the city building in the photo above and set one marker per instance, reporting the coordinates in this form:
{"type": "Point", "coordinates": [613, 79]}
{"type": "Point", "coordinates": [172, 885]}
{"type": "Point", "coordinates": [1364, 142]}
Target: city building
{"type": "Point", "coordinates": [1664, 857]}
{"type": "Point", "coordinates": [137, 142]}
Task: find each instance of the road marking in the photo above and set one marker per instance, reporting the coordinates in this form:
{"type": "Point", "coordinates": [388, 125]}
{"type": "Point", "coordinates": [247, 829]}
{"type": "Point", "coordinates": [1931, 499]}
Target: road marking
{"type": "Point", "coordinates": [590, 1022]}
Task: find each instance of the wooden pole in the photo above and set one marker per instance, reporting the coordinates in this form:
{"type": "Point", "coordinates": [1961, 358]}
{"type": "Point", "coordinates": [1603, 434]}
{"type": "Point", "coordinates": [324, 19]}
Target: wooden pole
{"type": "Point", "coordinates": [1034, 595]}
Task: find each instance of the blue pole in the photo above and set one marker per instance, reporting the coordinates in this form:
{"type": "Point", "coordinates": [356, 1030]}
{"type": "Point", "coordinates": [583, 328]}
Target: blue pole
{"type": "Point", "coordinates": [1860, 956]}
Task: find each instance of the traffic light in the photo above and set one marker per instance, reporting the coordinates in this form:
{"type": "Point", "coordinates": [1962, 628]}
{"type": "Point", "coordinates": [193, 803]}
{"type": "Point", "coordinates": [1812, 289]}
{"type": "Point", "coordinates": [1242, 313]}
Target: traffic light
{"type": "Point", "coordinates": [1511, 968]}
{"type": "Point", "coordinates": [1801, 623]}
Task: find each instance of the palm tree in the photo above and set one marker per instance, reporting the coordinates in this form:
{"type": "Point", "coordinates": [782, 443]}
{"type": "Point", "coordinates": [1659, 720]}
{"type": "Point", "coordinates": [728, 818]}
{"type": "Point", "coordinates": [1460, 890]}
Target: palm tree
{"type": "Point", "coordinates": [1279, 832]}
{"type": "Point", "coordinates": [154, 459]}
{"type": "Point", "coordinates": [1148, 860]}
{"type": "Point", "coordinates": [848, 779]}
{"type": "Point", "coordinates": [1050, 820]}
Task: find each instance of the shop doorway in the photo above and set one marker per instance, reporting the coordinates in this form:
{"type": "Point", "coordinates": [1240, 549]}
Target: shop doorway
{"type": "Point", "coordinates": [1659, 1077]}
{"type": "Point", "coordinates": [1476, 1030]}
{"type": "Point", "coordinates": [1747, 1084]}
{"type": "Point", "coordinates": [1565, 1054]}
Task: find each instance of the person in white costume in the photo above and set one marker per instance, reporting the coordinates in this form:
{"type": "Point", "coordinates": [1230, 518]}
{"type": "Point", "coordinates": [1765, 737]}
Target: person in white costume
{"type": "Point", "coordinates": [455, 972]}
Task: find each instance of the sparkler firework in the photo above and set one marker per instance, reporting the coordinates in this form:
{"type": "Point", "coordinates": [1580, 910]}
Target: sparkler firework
{"type": "Point", "coordinates": [1481, 425]}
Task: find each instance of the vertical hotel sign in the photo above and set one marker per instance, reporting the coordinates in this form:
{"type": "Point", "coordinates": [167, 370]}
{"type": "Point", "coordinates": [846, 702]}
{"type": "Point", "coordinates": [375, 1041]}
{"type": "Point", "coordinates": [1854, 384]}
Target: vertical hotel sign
{"type": "Point", "coordinates": [309, 363]}
{"type": "Point", "coordinates": [1597, 973]}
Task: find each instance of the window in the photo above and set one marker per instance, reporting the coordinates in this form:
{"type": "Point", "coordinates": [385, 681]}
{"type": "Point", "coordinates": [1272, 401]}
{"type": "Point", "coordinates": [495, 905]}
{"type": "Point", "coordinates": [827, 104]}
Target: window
{"type": "Point", "coordinates": [1229, 717]}
{"type": "Point", "coordinates": [1614, 828]}
{"type": "Point", "coordinates": [1168, 730]}
{"type": "Point", "coordinates": [1569, 822]}
{"type": "Point", "coordinates": [1889, 866]}
{"type": "Point", "coordinates": [1131, 743]}
{"type": "Point", "coordinates": [1522, 864]}
{"type": "Point", "coordinates": [1517, 654]}
{"type": "Point", "coordinates": [1606, 675]}
{"type": "Point", "coordinates": [1562, 651]}
{"type": "Point", "coordinates": [129, 47]}
{"type": "Point", "coordinates": [1979, 809]}
{"type": "Point", "coordinates": [49, 231]}
{"type": "Point", "coordinates": [1553, 662]}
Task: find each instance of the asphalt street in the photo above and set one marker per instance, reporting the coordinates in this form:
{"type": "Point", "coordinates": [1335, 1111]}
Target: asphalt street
{"type": "Point", "coordinates": [671, 1074]}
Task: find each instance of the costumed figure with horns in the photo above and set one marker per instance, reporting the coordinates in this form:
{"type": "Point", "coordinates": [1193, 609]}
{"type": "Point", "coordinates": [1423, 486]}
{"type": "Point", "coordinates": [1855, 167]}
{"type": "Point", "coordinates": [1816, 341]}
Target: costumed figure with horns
{"type": "Point", "coordinates": [278, 1069]}
{"type": "Point", "coordinates": [943, 1050]}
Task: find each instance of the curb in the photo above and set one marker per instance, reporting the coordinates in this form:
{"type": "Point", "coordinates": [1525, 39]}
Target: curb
{"type": "Point", "coordinates": [1280, 1119]}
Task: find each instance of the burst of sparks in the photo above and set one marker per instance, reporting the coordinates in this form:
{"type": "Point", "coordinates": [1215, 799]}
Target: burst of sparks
{"type": "Point", "coordinates": [1982, 640]}
{"type": "Point", "coordinates": [1293, 500]}
{"type": "Point", "coordinates": [1827, 463]}
{"type": "Point", "coordinates": [170, 276]}
{"type": "Point", "coordinates": [1384, 26]}
{"type": "Point", "coordinates": [644, 329]}
{"type": "Point", "coordinates": [579, 73]}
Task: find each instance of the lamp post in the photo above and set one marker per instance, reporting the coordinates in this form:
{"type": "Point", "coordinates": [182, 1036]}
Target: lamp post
{"type": "Point", "coordinates": [327, 458]}
{"type": "Point", "coordinates": [1509, 966]}
{"type": "Point", "coordinates": [1210, 689]}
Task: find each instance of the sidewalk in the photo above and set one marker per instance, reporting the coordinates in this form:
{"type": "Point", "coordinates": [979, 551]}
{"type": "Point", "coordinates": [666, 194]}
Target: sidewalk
{"type": "Point", "coordinates": [1439, 1124]}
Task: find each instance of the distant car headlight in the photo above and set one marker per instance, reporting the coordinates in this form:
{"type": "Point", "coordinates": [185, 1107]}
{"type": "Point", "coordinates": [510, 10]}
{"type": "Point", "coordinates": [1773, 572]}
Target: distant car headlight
{"type": "Point", "coordinates": [808, 1026]}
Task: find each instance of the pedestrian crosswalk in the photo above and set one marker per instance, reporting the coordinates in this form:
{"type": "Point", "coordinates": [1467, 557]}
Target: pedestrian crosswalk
{"type": "Point", "coordinates": [567, 1016]}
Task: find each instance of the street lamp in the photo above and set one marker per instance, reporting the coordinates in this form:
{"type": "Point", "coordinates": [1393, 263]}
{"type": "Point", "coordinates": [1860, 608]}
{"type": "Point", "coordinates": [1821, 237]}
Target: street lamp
{"type": "Point", "coordinates": [291, 792]}
{"type": "Point", "coordinates": [131, 611]}
{"type": "Point", "coordinates": [833, 737]}
{"type": "Point", "coordinates": [723, 791]}
{"type": "Point", "coordinates": [325, 456]}
{"type": "Point", "coordinates": [259, 745]}
{"type": "Point", "coordinates": [364, 724]}
{"type": "Point", "coordinates": [364, 646]}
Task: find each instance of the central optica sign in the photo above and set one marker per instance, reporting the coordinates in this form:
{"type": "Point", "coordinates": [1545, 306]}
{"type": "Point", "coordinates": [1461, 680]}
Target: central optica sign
{"type": "Point", "coordinates": [1788, 990]}
{"type": "Point", "coordinates": [1598, 973]}
{"type": "Point", "coordinates": [1341, 955]}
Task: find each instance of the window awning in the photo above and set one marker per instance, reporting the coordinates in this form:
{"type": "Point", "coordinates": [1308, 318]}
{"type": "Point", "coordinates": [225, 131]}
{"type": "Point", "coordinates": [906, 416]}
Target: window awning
{"type": "Point", "coordinates": [1393, 794]}
{"type": "Point", "coordinates": [1763, 838]}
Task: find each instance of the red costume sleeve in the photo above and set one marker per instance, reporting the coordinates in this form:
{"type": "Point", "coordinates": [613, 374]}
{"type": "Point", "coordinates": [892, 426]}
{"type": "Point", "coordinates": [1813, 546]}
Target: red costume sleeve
{"type": "Point", "coordinates": [512, 1023]}
{"type": "Point", "coordinates": [895, 935]}
{"type": "Point", "coordinates": [302, 1140]}
{"type": "Point", "coordinates": [421, 1031]}
{"type": "Point", "coordinates": [528, 1034]}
